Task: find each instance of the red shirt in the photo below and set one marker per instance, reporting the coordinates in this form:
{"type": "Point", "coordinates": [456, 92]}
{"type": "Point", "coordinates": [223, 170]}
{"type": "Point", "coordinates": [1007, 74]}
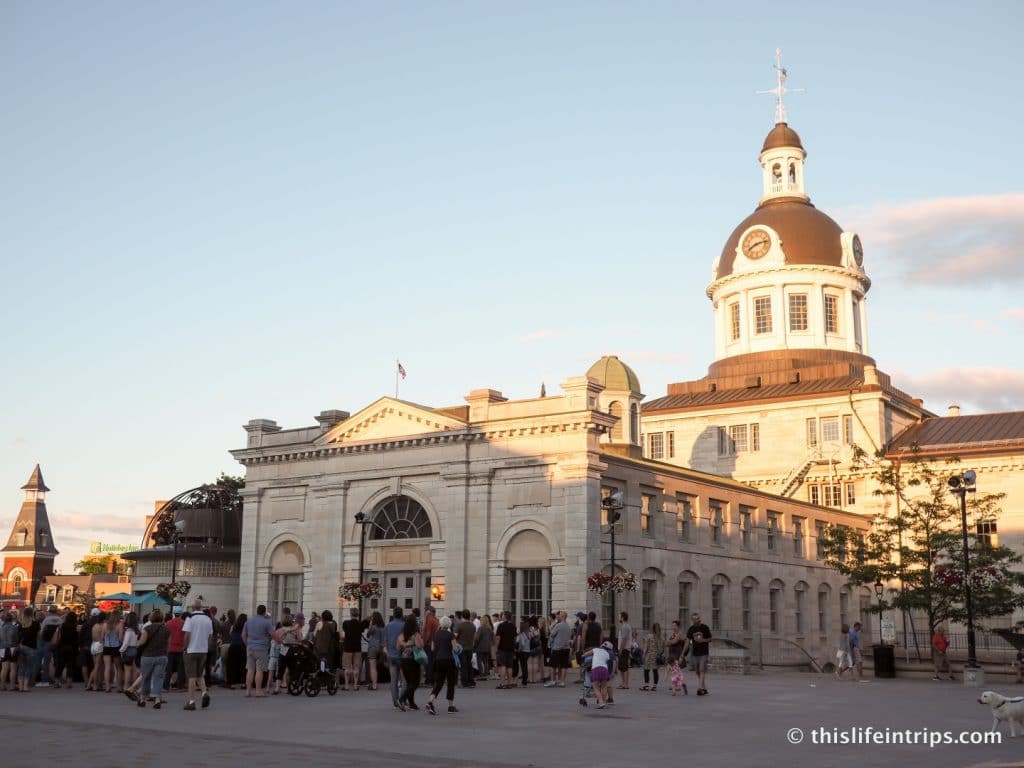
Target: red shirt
{"type": "Point", "coordinates": [176, 642]}
{"type": "Point", "coordinates": [939, 643]}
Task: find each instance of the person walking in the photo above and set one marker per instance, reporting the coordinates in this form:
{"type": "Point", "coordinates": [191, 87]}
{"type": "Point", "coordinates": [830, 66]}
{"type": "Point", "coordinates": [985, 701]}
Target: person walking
{"type": "Point", "coordinates": [844, 660]}
{"type": "Point", "coordinates": [699, 636]}
{"type": "Point", "coordinates": [445, 673]}
{"type": "Point", "coordinates": [175, 651]}
{"type": "Point", "coordinates": [153, 662]}
{"type": "Point", "coordinates": [675, 653]}
{"type": "Point", "coordinates": [392, 632]}
{"type": "Point", "coordinates": [654, 652]}
{"type": "Point", "coordinates": [198, 628]}
{"type": "Point", "coordinates": [939, 659]}
{"type": "Point", "coordinates": [408, 642]}
{"type": "Point", "coordinates": [856, 657]}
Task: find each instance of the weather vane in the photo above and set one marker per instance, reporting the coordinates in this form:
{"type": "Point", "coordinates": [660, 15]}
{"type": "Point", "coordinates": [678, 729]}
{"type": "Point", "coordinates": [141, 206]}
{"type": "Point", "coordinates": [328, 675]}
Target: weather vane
{"type": "Point", "coordinates": [780, 89]}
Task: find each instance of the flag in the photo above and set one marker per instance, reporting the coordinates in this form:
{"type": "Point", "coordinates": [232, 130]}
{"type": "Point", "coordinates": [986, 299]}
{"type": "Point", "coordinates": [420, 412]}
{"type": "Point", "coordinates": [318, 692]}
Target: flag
{"type": "Point", "coordinates": [401, 371]}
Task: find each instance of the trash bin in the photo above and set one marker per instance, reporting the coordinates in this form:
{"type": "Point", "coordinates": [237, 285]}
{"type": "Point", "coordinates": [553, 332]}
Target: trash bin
{"type": "Point", "coordinates": [885, 661]}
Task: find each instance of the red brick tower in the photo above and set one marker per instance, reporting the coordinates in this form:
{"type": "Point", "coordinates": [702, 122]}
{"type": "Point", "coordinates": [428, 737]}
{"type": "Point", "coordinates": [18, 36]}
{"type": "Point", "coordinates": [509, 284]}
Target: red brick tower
{"type": "Point", "coordinates": [29, 554]}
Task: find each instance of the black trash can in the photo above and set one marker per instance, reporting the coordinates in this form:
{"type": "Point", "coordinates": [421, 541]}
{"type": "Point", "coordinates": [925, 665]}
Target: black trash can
{"type": "Point", "coordinates": [885, 661]}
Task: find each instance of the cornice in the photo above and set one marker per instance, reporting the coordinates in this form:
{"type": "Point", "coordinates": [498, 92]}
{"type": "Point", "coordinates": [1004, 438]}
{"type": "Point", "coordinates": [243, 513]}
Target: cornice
{"type": "Point", "coordinates": [717, 285]}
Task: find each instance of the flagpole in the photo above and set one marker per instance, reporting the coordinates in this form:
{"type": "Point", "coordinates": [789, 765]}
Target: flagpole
{"type": "Point", "coordinates": [396, 378]}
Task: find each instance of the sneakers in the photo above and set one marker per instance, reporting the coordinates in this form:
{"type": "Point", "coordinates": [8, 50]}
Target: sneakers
{"type": "Point", "coordinates": [157, 704]}
{"type": "Point", "coordinates": [601, 706]}
{"type": "Point", "coordinates": [550, 684]}
{"type": "Point", "coordinates": [190, 706]}
{"type": "Point", "coordinates": [430, 708]}
{"type": "Point", "coordinates": [206, 699]}
{"type": "Point", "coordinates": [452, 709]}
{"type": "Point", "coordinates": [936, 678]}
{"type": "Point", "coordinates": [700, 691]}
{"type": "Point", "coordinates": [561, 685]}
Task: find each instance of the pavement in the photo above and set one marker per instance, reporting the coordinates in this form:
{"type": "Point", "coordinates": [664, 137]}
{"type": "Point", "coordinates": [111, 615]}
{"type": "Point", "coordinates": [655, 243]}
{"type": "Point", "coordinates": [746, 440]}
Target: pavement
{"type": "Point", "coordinates": [745, 720]}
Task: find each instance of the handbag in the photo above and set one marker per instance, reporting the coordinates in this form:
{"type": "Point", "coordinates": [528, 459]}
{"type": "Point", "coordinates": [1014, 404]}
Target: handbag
{"type": "Point", "coordinates": [419, 655]}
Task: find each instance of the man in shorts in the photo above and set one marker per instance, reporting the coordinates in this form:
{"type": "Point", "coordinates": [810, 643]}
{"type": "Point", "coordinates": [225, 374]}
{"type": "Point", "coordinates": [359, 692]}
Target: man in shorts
{"type": "Point", "coordinates": [699, 635]}
{"type": "Point", "coordinates": [856, 655]}
{"type": "Point", "coordinates": [625, 649]}
{"type": "Point", "coordinates": [505, 649]}
{"type": "Point", "coordinates": [256, 636]}
{"type": "Point", "coordinates": [560, 638]}
{"type": "Point", "coordinates": [197, 630]}
{"type": "Point", "coordinates": [351, 649]}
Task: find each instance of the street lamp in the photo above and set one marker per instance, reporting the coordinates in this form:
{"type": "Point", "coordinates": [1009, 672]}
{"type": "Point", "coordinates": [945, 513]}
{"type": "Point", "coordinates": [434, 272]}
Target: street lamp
{"type": "Point", "coordinates": [613, 505]}
{"type": "Point", "coordinates": [961, 485]}
{"type": "Point", "coordinates": [179, 528]}
{"type": "Point", "coordinates": [878, 594]}
{"type": "Point", "coordinates": [362, 521]}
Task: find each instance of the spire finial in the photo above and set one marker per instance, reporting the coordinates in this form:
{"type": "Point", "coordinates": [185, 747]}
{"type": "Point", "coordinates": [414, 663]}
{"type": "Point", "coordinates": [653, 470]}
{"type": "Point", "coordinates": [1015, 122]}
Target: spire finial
{"type": "Point", "coordinates": [780, 89]}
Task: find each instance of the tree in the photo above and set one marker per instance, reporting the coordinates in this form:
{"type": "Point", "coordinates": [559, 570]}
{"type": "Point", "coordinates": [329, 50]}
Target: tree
{"type": "Point", "coordinates": [100, 564]}
{"type": "Point", "coordinates": [919, 542]}
{"type": "Point", "coordinates": [208, 495]}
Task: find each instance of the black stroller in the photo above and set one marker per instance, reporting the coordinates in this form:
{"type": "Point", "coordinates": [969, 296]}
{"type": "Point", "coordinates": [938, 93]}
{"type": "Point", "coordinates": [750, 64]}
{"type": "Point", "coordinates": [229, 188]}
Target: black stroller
{"type": "Point", "coordinates": [308, 673]}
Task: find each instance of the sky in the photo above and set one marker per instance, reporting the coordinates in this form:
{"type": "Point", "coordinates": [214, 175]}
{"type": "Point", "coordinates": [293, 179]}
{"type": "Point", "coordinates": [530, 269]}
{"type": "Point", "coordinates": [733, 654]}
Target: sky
{"type": "Point", "coordinates": [211, 213]}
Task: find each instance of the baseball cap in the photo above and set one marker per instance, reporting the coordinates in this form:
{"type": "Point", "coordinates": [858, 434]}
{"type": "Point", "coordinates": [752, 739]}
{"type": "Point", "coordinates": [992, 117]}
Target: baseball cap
{"type": "Point", "coordinates": [94, 612]}
{"type": "Point", "coordinates": [607, 645]}
{"type": "Point", "coordinates": [580, 615]}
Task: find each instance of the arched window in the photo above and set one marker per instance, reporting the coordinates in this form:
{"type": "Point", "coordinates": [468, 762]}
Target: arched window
{"type": "Point", "coordinates": [799, 606]}
{"type": "Point", "coordinates": [400, 517]}
{"type": "Point", "coordinates": [775, 605]}
{"type": "Point", "coordinates": [719, 586]}
{"type": "Point", "coordinates": [615, 409]}
{"type": "Point", "coordinates": [687, 595]}
{"type": "Point", "coordinates": [823, 594]}
{"type": "Point", "coordinates": [286, 567]}
{"type": "Point", "coordinates": [634, 424]}
{"type": "Point", "coordinates": [17, 583]}
{"type": "Point", "coordinates": [748, 587]}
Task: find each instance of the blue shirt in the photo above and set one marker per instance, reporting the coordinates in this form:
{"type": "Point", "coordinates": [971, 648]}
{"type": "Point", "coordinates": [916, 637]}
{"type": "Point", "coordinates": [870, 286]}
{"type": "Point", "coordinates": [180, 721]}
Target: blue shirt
{"type": "Point", "coordinates": [392, 632]}
{"type": "Point", "coordinates": [854, 638]}
{"type": "Point", "coordinates": [257, 633]}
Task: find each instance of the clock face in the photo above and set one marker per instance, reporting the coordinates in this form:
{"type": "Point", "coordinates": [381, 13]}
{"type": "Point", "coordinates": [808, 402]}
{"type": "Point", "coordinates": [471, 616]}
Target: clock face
{"type": "Point", "coordinates": [756, 243]}
{"type": "Point", "coordinates": [858, 250]}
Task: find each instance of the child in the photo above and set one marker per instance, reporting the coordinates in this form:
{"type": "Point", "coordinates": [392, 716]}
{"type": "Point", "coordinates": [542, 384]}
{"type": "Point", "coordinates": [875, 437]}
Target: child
{"type": "Point", "coordinates": [675, 673]}
{"type": "Point", "coordinates": [273, 679]}
{"type": "Point", "coordinates": [599, 674]}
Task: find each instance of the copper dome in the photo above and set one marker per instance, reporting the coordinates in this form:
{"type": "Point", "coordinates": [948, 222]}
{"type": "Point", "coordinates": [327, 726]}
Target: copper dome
{"type": "Point", "coordinates": [781, 136]}
{"type": "Point", "coordinates": [808, 236]}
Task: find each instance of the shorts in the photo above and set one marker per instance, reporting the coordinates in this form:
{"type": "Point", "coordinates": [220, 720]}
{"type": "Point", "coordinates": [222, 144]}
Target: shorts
{"type": "Point", "coordinates": [599, 674]}
{"type": "Point", "coordinates": [351, 659]}
{"type": "Point", "coordinates": [195, 664]}
{"type": "Point", "coordinates": [699, 663]}
{"type": "Point", "coordinates": [115, 652]}
{"type": "Point", "coordinates": [372, 653]}
{"type": "Point", "coordinates": [256, 661]}
{"type": "Point", "coordinates": [623, 660]}
{"type": "Point", "coordinates": [856, 656]}
{"type": "Point", "coordinates": [560, 659]}
{"type": "Point", "coordinates": [506, 659]}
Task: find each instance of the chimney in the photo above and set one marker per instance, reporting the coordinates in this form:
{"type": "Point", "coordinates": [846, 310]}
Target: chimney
{"type": "Point", "coordinates": [871, 375]}
{"type": "Point", "coordinates": [954, 410]}
{"type": "Point", "coordinates": [328, 419]}
{"type": "Point", "coordinates": [257, 428]}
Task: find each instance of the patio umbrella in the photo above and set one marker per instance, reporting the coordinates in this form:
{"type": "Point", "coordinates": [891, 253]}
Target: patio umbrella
{"type": "Point", "coordinates": [123, 597]}
{"type": "Point", "coordinates": [148, 597]}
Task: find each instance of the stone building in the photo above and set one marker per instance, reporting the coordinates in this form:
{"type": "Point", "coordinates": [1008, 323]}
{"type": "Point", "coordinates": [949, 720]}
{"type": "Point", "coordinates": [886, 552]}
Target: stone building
{"type": "Point", "coordinates": [497, 504]}
{"type": "Point", "coordinates": [29, 554]}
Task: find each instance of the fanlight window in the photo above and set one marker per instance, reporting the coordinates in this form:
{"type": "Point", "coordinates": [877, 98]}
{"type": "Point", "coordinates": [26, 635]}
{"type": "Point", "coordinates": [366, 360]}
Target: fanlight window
{"type": "Point", "coordinates": [400, 518]}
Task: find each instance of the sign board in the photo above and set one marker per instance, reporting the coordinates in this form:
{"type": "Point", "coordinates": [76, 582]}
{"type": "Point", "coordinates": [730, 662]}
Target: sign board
{"type": "Point", "coordinates": [99, 548]}
{"type": "Point", "coordinates": [888, 632]}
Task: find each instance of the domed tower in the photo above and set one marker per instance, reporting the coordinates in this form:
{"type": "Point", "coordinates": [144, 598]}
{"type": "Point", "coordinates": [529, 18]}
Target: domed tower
{"type": "Point", "coordinates": [621, 397]}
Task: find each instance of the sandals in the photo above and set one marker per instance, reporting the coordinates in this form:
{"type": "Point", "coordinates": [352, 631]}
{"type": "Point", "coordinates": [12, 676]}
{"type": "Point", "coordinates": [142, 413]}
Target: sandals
{"type": "Point", "coordinates": [645, 688]}
{"type": "Point", "coordinates": [654, 688]}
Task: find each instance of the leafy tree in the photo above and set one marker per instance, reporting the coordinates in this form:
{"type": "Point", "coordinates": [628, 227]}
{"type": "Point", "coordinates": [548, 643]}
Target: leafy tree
{"type": "Point", "coordinates": [919, 541]}
{"type": "Point", "coordinates": [210, 495]}
{"type": "Point", "coordinates": [91, 565]}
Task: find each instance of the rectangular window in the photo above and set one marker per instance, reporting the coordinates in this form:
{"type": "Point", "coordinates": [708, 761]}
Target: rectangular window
{"type": "Point", "coordinates": [844, 607]}
{"type": "Point", "coordinates": [747, 597]}
{"type": "Point", "coordinates": [812, 433]}
{"type": "Point", "coordinates": [823, 612]}
{"type": "Point", "coordinates": [830, 429]}
{"type": "Point", "coordinates": [848, 429]}
{"type": "Point", "coordinates": [734, 320]}
{"type": "Point", "coordinates": [755, 437]}
{"type": "Point", "coordinates": [745, 520]}
{"type": "Point", "coordinates": [671, 444]}
{"type": "Point", "coordinates": [774, 606]}
{"type": "Point", "coordinates": [851, 494]}
{"type": "Point", "coordinates": [717, 591]}
{"type": "Point", "coordinates": [799, 615]}
{"type": "Point", "coordinates": [738, 438]}
{"type": "Point", "coordinates": [988, 535]}
{"type": "Point", "coordinates": [684, 517]}
{"type": "Point", "coordinates": [831, 314]}
{"type": "Point", "coordinates": [821, 538]}
{"type": "Point", "coordinates": [685, 596]}
{"type": "Point", "coordinates": [529, 591]}
{"type": "Point", "coordinates": [763, 314]}
{"type": "Point", "coordinates": [716, 521]}
{"type": "Point", "coordinates": [656, 445]}
{"type": "Point", "coordinates": [69, 592]}
{"type": "Point", "coordinates": [724, 443]}
{"type": "Point", "coordinates": [647, 602]}
{"type": "Point", "coordinates": [798, 537]}
{"type": "Point", "coordinates": [842, 538]}
{"type": "Point", "coordinates": [835, 495]}
{"type": "Point", "coordinates": [773, 529]}
{"type": "Point", "coordinates": [798, 311]}
{"type": "Point", "coordinates": [814, 494]}
{"type": "Point", "coordinates": [645, 520]}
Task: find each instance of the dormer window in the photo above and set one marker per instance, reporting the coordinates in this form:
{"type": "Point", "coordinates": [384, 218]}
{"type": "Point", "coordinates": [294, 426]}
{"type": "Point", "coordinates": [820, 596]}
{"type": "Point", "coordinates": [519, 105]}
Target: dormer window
{"type": "Point", "coordinates": [22, 537]}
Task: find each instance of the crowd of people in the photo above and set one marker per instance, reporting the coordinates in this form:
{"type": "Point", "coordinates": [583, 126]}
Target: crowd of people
{"type": "Point", "coordinates": [193, 650]}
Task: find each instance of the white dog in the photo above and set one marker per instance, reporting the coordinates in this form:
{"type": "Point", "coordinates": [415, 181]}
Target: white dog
{"type": "Point", "coordinates": [1004, 708]}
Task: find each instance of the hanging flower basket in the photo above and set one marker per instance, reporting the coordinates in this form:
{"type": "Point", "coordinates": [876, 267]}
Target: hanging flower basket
{"type": "Point", "coordinates": [173, 592]}
{"type": "Point", "coordinates": [353, 590]}
{"type": "Point", "coordinates": [602, 583]}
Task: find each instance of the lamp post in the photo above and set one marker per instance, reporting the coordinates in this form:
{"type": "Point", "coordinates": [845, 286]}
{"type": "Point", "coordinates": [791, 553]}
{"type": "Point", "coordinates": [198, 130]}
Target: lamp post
{"type": "Point", "coordinates": [179, 528]}
{"type": "Point", "coordinates": [961, 485]}
{"type": "Point", "coordinates": [362, 522]}
{"type": "Point", "coordinates": [613, 506]}
{"type": "Point", "coordinates": [878, 595]}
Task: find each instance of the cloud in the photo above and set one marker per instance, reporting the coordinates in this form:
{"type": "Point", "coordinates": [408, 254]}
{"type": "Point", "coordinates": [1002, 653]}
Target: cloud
{"type": "Point", "coordinates": [976, 389]}
{"type": "Point", "coordinates": [20, 440]}
{"type": "Point", "coordinates": [948, 240]}
{"type": "Point", "coordinates": [540, 336]}
{"type": "Point", "coordinates": [1013, 313]}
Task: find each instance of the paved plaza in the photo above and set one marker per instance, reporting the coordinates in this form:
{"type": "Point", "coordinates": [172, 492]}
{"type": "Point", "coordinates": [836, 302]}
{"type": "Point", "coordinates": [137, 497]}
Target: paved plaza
{"type": "Point", "coordinates": [745, 721]}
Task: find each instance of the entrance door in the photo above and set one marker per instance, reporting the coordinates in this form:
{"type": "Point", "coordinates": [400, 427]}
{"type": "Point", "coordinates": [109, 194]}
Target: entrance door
{"type": "Point", "coordinates": [405, 590]}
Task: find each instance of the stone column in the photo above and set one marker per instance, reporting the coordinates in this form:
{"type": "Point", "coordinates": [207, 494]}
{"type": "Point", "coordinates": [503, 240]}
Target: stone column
{"type": "Point", "coordinates": [331, 517]}
{"type": "Point", "coordinates": [251, 547]}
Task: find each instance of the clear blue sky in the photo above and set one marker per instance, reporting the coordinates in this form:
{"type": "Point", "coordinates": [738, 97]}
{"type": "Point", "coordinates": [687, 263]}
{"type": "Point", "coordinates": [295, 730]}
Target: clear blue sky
{"type": "Point", "coordinates": [215, 212]}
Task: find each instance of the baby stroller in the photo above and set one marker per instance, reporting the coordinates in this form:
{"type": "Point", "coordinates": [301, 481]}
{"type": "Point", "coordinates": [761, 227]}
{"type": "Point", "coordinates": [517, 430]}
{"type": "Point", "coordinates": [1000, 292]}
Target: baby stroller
{"type": "Point", "coordinates": [308, 673]}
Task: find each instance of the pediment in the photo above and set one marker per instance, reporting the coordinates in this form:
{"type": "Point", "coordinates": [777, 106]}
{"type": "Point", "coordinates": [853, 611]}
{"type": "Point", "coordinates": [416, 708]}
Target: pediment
{"type": "Point", "coordinates": [389, 418]}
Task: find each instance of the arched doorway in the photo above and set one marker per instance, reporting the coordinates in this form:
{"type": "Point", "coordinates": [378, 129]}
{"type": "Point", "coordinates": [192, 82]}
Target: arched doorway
{"type": "Point", "coordinates": [398, 553]}
{"type": "Point", "coordinates": [286, 568]}
{"type": "Point", "coordinates": [528, 582]}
